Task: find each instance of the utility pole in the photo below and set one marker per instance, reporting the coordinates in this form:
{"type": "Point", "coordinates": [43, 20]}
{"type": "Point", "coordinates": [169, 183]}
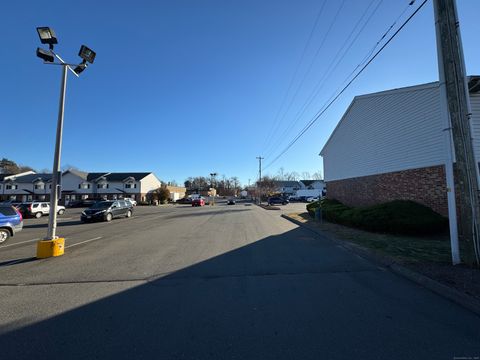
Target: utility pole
{"type": "Point", "coordinates": [259, 158]}
{"type": "Point", "coordinates": [454, 86]}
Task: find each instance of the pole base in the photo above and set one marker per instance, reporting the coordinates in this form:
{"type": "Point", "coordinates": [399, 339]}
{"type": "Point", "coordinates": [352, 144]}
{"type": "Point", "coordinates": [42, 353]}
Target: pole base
{"type": "Point", "coordinates": [49, 248]}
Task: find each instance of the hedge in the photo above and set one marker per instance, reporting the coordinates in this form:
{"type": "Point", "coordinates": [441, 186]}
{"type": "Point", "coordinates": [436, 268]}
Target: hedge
{"type": "Point", "coordinates": [396, 217]}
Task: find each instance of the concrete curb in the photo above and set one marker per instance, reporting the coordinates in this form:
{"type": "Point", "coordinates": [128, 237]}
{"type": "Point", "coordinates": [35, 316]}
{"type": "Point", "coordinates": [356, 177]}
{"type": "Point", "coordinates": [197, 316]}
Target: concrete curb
{"type": "Point", "coordinates": [447, 292]}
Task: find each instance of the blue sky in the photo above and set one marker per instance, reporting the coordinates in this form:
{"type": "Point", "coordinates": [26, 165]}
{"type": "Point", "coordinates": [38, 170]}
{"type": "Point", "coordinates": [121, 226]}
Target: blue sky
{"type": "Point", "coordinates": [185, 88]}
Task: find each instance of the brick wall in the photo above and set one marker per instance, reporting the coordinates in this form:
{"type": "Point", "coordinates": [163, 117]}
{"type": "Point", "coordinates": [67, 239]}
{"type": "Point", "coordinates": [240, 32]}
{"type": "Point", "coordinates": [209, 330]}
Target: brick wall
{"type": "Point", "coordinates": [425, 185]}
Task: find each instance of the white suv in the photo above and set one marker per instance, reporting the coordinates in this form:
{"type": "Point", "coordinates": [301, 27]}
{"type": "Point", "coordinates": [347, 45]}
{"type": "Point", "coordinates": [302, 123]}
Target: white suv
{"type": "Point", "coordinates": [38, 209]}
{"type": "Point", "coordinates": [131, 201]}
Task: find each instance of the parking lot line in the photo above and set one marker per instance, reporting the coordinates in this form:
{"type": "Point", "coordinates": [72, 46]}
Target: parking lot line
{"type": "Point", "coordinates": [18, 243]}
{"type": "Point", "coordinates": [83, 242]}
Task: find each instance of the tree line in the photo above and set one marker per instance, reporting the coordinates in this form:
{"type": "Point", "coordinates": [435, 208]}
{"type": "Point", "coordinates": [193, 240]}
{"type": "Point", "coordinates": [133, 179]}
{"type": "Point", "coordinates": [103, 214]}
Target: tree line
{"type": "Point", "coordinates": [225, 186]}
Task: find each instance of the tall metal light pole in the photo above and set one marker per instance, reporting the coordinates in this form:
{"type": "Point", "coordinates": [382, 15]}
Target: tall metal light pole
{"type": "Point", "coordinates": [47, 36]}
{"type": "Point", "coordinates": [212, 177]}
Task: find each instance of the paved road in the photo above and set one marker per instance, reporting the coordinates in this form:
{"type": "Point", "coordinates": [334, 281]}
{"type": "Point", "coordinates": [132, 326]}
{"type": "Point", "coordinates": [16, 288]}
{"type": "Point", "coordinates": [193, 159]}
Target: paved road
{"type": "Point", "coordinates": [223, 282]}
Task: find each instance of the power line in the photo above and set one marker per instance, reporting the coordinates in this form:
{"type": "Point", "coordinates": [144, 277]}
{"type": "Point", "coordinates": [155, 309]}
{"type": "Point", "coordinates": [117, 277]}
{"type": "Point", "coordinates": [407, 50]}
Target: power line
{"type": "Point", "coordinates": [311, 63]}
{"type": "Point", "coordinates": [272, 133]}
{"type": "Point", "coordinates": [330, 69]}
{"type": "Point", "coordinates": [326, 107]}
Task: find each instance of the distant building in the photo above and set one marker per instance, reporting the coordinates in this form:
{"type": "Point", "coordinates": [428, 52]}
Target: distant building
{"type": "Point", "coordinates": [391, 145]}
{"type": "Point", "coordinates": [78, 185]}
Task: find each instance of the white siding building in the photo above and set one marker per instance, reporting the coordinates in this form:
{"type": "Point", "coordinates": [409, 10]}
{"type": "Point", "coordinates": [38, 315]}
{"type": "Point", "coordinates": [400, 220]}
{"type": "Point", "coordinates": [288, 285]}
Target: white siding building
{"type": "Point", "coordinates": [391, 145]}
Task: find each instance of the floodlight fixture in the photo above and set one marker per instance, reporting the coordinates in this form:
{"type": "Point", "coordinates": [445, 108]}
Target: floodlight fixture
{"type": "Point", "coordinates": [46, 55]}
{"type": "Point", "coordinates": [47, 36]}
{"type": "Point", "coordinates": [82, 66]}
{"type": "Point", "coordinates": [87, 54]}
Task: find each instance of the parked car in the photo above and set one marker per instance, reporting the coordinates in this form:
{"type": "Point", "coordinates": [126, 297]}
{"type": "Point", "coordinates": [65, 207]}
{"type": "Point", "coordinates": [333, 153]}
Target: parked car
{"type": "Point", "coordinates": [198, 201]}
{"type": "Point", "coordinates": [312, 199]}
{"type": "Point", "coordinates": [277, 200]}
{"type": "Point", "coordinates": [38, 209]}
{"type": "Point", "coordinates": [11, 222]}
{"type": "Point", "coordinates": [184, 201]}
{"type": "Point", "coordinates": [107, 210]}
{"type": "Point", "coordinates": [131, 201]}
{"type": "Point", "coordinates": [231, 202]}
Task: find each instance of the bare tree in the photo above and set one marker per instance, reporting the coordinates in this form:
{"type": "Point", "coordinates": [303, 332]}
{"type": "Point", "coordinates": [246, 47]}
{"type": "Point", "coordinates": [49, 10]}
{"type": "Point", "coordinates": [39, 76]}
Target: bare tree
{"type": "Point", "coordinates": [317, 175]}
{"type": "Point", "coordinates": [305, 175]}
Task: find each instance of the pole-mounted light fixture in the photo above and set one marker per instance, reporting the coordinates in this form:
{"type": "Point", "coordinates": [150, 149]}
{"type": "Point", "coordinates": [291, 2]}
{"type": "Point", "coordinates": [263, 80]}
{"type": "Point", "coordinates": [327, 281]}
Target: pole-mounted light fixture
{"type": "Point", "coordinates": [47, 36]}
{"type": "Point", "coordinates": [87, 54]}
{"type": "Point", "coordinates": [52, 245]}
{"type": "Point", "coordinates": [46, 55]}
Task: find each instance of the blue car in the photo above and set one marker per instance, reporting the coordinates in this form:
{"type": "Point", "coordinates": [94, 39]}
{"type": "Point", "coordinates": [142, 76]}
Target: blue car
{"type": "Point", "coordinates": [11, 221]}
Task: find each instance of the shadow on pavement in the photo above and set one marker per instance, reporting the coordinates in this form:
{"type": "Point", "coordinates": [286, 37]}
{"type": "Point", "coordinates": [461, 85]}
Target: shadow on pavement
{"type": "Point", "coordinates": [59, 224]}
{"type": "Point", "coordinates": [289, 296]}
{"type": "Point", "coordinates": [17, 261]}
{"type": "Point", "coordinates": [201, 213]}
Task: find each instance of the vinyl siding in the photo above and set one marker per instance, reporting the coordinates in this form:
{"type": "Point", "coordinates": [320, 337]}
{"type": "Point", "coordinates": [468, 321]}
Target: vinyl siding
{"type": "Point", "coordinates": [149, 183]}
{"type": "Point", "coordinates": [391, 131]}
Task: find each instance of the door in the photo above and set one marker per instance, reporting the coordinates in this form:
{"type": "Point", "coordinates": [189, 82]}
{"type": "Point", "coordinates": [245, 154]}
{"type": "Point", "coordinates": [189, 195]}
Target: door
{"type": "Point", "coordinates": [116, 209]}
{"type": "Point", "coordinates": [45, 208]}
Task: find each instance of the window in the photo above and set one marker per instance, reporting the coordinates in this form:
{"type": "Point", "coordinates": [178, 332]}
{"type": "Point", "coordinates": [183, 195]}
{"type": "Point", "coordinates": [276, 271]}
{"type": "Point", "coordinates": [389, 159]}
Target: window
{"type": "Point", "coordinates": [7, 211]}
{"type": "Point", "coordinates": [102, 186]}
{"type": "Point", "coordinates": [40, 186]}
{"type": "Point", "coordinates": [44, 205]}
{"type": "Point", "coordinates": [84, 186]}
{"type": "Point", "coordinates": [11, 187]}
{"type": "Point", "coordinates": [128, 186]}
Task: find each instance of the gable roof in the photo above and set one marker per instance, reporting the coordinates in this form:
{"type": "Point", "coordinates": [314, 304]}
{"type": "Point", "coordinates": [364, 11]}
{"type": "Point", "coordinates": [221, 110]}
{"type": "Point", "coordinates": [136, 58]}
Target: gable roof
{"type": "Point", "coordinates": [286, 183]}
{"type": "Point", "coordinates": [473, 87]}
{"type": "Point", "coordinates": [309, 182]}
{"type": "Point", "coordinates": [81, 174]}
{"type": "Point", "coordinates": [118, 177]}
{"type": "Point", "coordinates": [28, 178]}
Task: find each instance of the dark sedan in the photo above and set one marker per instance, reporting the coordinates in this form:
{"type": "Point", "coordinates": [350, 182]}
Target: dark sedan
{"type": "Point", "coordinates": [277, 200]}
{"type": "Point", "coordinates": [107, 210]}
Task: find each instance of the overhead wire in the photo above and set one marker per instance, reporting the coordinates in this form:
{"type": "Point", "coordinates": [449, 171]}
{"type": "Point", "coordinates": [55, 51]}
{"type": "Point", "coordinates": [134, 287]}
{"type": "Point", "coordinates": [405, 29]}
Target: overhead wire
{"type": "Point", "coordinates": [273, 129]}
{"type": "Point", "coordinates": [330, 103]}
{"type": "Point", "coordinates": [322, 42]}
{"type": "Point", "coordinates": [330, 69]}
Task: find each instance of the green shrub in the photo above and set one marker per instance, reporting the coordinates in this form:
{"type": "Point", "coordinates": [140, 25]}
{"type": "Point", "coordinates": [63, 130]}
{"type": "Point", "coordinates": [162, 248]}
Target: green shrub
{"type": "Point", "coordinates": [396, 217]}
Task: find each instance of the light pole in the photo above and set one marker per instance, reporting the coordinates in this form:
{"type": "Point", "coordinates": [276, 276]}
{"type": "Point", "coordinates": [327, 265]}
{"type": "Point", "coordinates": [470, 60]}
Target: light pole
{"type": "Point", "coordinates": [47, 36]}
{"type": "Point", "coordinates": [212, 178]}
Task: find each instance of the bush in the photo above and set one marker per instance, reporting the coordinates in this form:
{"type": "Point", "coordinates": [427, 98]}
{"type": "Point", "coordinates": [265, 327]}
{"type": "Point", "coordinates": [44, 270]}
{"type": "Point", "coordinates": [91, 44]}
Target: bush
{"type": "Point", "coordinates": [143, 203]}
{"type": "Point", "coordinates": [397, 217]}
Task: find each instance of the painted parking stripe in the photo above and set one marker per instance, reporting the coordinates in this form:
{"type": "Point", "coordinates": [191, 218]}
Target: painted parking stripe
{"type": "Point", "coordinates": [83, 242]}
{"type": "Point", "coordinates": [18, 243]}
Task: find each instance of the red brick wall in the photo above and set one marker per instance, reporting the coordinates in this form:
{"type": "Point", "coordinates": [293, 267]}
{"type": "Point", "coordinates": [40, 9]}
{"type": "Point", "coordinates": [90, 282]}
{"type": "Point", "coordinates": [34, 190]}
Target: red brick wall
{"type": "Point", "coordinates": [425, 185]}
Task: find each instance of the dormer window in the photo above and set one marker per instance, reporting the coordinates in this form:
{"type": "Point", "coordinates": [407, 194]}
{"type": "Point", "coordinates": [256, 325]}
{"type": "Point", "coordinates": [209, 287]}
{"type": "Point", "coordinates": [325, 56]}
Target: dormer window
{"type": "Point", "coordinates": [11, 187]}
{"type": "Point", "coordinates": [39, 185]}
{"type": "Point", "coordinates": [102, 185]}
{"type": "Point", "coordinates": [130, 186]}
{"type": "Point", "coordinates": [84, 186]}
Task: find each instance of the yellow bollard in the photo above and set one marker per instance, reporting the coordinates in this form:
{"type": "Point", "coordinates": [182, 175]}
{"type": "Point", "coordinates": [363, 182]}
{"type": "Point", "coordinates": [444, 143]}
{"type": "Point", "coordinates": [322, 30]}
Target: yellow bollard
{"type": "Point", "coordinates": [49, 248]}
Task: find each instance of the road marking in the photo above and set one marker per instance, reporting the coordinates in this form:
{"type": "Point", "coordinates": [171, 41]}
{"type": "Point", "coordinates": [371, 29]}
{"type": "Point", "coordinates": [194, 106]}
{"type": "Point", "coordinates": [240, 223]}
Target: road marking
{"type": "Point", "coordinates": [83, 242]}
{"type": "Point", "coordinates": [18, 243]}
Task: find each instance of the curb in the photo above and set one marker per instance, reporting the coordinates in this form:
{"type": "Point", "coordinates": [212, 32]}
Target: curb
{"type": "Point", "coordinates": [447, 292]}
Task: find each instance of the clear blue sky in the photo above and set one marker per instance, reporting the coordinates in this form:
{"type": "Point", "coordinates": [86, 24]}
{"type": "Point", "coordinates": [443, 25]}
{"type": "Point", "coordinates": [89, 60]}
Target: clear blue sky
{"type": "Point", "coordinates": [185, 88]}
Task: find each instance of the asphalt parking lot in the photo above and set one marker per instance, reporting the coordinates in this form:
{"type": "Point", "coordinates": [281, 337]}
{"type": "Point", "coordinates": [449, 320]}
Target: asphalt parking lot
{"type": "Point", "coordinates": [214, 282]}
{"type": "Point", "coordinates": [22, 246]}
